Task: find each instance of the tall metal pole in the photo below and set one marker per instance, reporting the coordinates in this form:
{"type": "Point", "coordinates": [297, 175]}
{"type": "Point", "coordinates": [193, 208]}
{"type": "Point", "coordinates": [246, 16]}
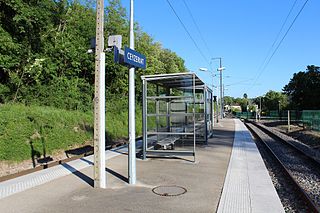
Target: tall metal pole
{"type": "Point", "coordinates": [99, 102]}
{"type": "Point", "coordinates": [289, 121]}
{"type": "Point", "coordinates": [132, 124]}
{"type": "Point", "coordinates": [221, 96]}
{"type": "Point", "coordinates": [212, 101]}
{"type": "Point", "coordinates": [260, 109]}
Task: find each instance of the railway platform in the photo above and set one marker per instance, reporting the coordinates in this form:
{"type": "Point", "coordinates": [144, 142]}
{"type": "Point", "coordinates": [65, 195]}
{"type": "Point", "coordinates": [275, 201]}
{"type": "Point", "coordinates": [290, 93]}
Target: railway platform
{"type": "Point", "coordinates": [211, 184]}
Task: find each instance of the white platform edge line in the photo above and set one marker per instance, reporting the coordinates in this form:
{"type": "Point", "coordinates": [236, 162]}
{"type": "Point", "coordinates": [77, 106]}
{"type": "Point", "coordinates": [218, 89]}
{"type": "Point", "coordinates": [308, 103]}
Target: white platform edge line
{"type": "Point", "coordinates": [31, 180]}
{"type": "Point", "coordinates": [224, 203]}
{"type": "Point", "coordinates": [227, 178]}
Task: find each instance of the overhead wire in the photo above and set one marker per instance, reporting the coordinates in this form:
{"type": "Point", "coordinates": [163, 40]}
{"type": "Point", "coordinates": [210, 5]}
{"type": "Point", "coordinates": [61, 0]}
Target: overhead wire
{"type": "Point", "coordinates": [197, 27]}
{"type": "Point", "coordinates": [277, 37]}
{"type": "Point", "coordinates": [185, 28]}
{"type": "Point", "coordinates": [279, 44]}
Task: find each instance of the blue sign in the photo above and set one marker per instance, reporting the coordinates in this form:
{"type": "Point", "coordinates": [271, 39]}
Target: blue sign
{"type": "Point", "coordinates": [134, 58]}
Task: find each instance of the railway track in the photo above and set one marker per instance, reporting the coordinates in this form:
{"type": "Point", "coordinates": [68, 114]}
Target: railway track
{"type": "Point", "coordinates": [302, 169]}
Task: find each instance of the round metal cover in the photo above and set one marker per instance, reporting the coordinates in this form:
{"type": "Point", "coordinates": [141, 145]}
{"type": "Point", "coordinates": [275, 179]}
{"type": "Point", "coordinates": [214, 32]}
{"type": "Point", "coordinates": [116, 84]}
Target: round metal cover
{"type": "Point", "coordinates": [169, 190]}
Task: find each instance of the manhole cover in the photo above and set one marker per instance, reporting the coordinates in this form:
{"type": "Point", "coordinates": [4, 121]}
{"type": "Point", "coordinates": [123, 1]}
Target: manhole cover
{"type": "Point", "coordinates": [169, 190]}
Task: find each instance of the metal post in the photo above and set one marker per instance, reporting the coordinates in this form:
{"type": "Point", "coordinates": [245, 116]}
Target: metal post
{"type": "Point", "coordinates": [212, 110]}
{"type": "Point", "coordinates": [260, 112]}
{"type": "Point", "coordinates": [205, 115]}
{"type": "Point", "coordinates": [99, 102]}
{"type": "Point", "coordinates": [279, 111]}
{"type": "Point", "coordinates": [194, 117]}
{"type": "Point", "coordinates": [132, 124]}
{"type": "Point", "coordinates": [217, 109]}
{"type": "Point", "coordinates": [212, 102]}
{"type": "Point", "coordinates": [289, 121]}
{"type": "Point", "coordinates": [144, 118]}
{"type": "Point", "coordinates": [260, 104]}
{"type": "Point", "coordinates": [168, 110]}
{"type": "Point", "coordinates": [157, 113]}
{"type": "Point", "coordinates": [221, 96]}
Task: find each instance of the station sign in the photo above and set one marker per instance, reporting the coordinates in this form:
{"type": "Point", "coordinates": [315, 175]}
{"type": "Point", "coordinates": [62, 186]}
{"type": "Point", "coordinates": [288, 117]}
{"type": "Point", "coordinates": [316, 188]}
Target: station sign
{"type": "Point", "coordinates": [134, 58]}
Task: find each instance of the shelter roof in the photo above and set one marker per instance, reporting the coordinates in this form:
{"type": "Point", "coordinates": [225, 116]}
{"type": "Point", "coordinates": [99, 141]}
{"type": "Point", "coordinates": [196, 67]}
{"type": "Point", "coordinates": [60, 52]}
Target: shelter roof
{"type": "Point", "coordinates": [175, 80]}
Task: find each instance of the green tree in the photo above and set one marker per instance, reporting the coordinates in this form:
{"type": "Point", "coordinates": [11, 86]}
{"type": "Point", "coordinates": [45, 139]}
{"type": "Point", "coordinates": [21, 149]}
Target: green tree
{"type": "Point", "coordinates": [272, 100]}
{"type": "Point", "coordinates": [304, 89]}
{"type": "Point", "coordinates": [228, 100]}
{"type": "Point", "coordinates": [23, 25]}
{"type": "Point", "coordinates": [241, 102]}
{"type": "Point", "coordinates": [43, 52]}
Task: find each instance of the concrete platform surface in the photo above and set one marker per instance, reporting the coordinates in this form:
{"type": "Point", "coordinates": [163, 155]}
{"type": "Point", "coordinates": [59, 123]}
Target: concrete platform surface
{"type": "Point", "coordinates": [248, 186]}
{"type": "Point", "coordinates": [203, 181]}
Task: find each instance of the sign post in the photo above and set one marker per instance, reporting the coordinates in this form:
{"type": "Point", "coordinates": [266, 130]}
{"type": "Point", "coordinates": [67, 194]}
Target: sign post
{"type": "Point", "coordinates": [132, 122]}
{"type": "Point", "coordinates": [134, 59]}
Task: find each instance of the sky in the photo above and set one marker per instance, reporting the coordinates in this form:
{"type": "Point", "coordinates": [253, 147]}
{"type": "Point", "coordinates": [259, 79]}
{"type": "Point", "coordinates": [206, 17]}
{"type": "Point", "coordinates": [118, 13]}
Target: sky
{"type": "Point", "coordinates": [242, 33]}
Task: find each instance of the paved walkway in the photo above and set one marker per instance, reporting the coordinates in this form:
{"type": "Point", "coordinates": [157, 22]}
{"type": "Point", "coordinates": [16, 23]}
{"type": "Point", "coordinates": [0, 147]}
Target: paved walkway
{"type": "Point", "coordinates": [248, 187]}
{"type": "Point", "coordinates": [246, 184]}
{"type": "Point", "coordinates": [73, 192]}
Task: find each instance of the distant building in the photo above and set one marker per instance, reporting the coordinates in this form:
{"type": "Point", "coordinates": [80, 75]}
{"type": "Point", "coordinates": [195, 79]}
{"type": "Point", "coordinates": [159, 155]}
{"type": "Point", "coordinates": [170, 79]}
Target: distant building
{"type": "Point", "coordinates": [227, 108]}
{"type": "Point", "coordinates": [235, 108]}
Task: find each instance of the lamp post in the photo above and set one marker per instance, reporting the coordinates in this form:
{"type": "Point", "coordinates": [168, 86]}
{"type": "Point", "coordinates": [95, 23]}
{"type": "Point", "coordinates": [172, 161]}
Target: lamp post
{"type": "Point", "coordinates": [213, 75]}
{"type": "Point", "coordinates": [221, 93]}
{"type": "Point", "coordinates": [221, 87]}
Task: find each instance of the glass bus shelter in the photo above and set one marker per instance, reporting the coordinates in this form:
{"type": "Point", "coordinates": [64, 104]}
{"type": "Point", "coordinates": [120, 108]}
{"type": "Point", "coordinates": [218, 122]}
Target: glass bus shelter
{"type": "Point", "coordinates": [177, 114]}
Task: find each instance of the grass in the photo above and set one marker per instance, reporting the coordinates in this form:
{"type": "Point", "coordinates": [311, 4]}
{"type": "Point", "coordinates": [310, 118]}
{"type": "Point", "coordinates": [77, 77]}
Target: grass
{"type": "Point", "coordinates": [33, 130]}
{"type": "Point", "coordinates": [27, 128]}
{"type": "Point", "coordinates": [117, 118]}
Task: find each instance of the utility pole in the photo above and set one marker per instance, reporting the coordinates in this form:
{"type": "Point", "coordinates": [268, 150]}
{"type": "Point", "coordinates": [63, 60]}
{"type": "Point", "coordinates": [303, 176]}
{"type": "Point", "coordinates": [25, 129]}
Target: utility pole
{"type": "Point", "coordinates": [221, 96]}
{"type": "Point", "coordinates": [99, 101]}
{"type": "Point", "coordinates": [132, 124]}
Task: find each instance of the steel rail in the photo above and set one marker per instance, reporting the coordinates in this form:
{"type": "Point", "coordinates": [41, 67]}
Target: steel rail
{"type": "Point", "coordinates": [311, 204]}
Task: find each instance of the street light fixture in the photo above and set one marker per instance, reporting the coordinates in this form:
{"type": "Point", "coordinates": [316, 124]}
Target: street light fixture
{"type": "Point", "coordinates": [203, 69]}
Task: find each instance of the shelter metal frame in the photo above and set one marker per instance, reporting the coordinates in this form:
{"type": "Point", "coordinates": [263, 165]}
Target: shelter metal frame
{"type": "Point", "coordinates": [186, 115]}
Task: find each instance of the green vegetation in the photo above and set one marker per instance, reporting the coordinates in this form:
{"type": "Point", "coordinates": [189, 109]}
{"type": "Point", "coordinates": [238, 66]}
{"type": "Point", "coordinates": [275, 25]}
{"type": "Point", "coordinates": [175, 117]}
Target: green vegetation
{"type": "Point", "coordinates": [117, 118]}
{"type": "Point", "coordinates": [58, 129]}
{"type": "Point", "coordinates": [23, 128]}
{"type": "Point", "coordinates": [44, 59]}
{"type": "Point", "coordinates": [272, 100]}
{"type": "Point", "coordinates": [304, 89]}
{"type": "Point", "coordinates": [47, 76]}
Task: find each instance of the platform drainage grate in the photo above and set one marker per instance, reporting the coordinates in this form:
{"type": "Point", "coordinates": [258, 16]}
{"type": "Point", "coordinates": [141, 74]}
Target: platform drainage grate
{"type": "Point", "coordinates": [169, 191]}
